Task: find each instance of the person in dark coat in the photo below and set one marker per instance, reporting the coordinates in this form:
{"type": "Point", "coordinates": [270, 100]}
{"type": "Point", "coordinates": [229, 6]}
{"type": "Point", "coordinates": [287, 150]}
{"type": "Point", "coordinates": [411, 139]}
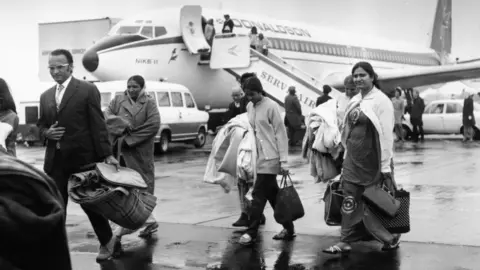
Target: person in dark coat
{"type": "Point", "coordinates": [227, 25]}
{"type": "Point", "coordinates": [140, 111]}
{"type": "Point", "coordinates": [293, 114]}
{"type": "Point", "coordinates": [468, 118]}
{"type": "Point", "coordinates": [416, 113]}
{"type": "Point", "coordinates": [325, 97]}
{"type": "Point", "coordinates": [32, 217]}
{"type": "Point", "coordinates": [409, 96]}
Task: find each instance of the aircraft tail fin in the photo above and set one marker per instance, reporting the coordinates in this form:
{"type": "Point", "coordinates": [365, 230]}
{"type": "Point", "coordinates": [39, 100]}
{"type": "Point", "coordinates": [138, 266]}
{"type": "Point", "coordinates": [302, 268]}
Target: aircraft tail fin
{"type": "Point", "coordinates": [442, 29]}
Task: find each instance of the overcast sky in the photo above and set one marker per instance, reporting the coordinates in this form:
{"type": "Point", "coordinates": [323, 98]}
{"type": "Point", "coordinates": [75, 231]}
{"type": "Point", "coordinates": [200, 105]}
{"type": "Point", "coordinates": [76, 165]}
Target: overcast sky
{"type": "Point", "coordinates": [394, 19]}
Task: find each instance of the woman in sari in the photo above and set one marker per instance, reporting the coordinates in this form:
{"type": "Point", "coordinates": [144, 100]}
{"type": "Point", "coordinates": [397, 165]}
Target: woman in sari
{"type": "Point", "coordinates": [368, 140]}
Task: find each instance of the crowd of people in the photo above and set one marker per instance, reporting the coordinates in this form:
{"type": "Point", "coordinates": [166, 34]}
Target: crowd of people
{"type": "Point", "coordinates": [77, 134]}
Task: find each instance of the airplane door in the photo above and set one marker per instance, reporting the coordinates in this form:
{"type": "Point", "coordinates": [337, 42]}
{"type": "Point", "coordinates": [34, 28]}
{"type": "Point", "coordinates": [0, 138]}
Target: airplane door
{"type": "Point", "coordinates": [192, 31]}
{"type": "Point", "coordinates": [433, 118]}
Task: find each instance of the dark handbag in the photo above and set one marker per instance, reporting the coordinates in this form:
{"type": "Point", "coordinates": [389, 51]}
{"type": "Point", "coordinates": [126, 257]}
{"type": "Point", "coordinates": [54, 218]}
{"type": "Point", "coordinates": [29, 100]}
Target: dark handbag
{"type": "Point", "coordinates": [401, 222]}
{"type": "Point", "coordinates": [379, 197]}
{"type": "Point", "coordinates": [333, 199]}
{"type": "Point", "coordinates": [288, 205]}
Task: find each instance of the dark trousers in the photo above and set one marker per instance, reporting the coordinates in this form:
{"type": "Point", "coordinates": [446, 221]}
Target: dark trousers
{"type": "Point", "coordinates": [99, 223]}
{"type": "Point", "coordinates": [417, 128]}
{"type": "Point", "coordinates": [265, 189]}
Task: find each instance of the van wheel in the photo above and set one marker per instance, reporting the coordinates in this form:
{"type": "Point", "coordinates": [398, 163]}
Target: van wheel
{"type": "Point", "coordinates": [164, 144]}
{"type": "Point", "coordinates": [201, 138]}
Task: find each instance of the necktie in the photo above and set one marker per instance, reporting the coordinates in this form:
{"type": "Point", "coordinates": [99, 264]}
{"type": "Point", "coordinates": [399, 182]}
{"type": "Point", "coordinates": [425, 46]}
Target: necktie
{"type": "Point", "coordinates": [57, 95]}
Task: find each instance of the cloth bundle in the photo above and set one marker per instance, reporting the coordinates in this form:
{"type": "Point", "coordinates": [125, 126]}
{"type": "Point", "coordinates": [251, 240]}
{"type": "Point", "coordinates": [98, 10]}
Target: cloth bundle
{"type": "Point", "coordinates": [233, 154]}
{"type": "Point", "coordinates": [322, 141]}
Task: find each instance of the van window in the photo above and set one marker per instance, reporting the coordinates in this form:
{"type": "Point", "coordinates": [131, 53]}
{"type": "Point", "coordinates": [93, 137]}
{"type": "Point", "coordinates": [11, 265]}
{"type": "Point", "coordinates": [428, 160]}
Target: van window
{"type": "Point", "coordinates": [177, 100]}
{"type": "Point", "coordinates": [189, 101]}
{"type": "Point", "coordinates": [163, 99]}
{"type": "Point", "coordinates": [152, 95]}
{"type": "Point", "coordinates": [105, 99]}
{"type": "Point", "coordinates": [31, 114]}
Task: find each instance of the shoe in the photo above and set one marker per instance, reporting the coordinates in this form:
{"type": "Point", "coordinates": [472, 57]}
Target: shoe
{"type": "Point", "coordinates": [340, 248]}
{"type": "Point", "coordinates": [394, 245]}
{"type": "Point", "coordinates": [284, 235]}
{"type": "Point", "coordinates": [106, 252]}
{"type": "Point", "coordinates": [246, 240]}
{"type": "Point", "coordinates": [242, 221]}
{"type": "Point", "coordinates": [149, 230]}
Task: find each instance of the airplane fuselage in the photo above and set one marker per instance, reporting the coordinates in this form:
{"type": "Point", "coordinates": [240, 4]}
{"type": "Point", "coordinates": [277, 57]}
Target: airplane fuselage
{"type": "Point", "coordinates": [320, 52]}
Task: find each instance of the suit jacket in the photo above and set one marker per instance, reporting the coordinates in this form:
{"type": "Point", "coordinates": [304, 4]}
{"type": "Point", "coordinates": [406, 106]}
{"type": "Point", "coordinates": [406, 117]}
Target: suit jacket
{"type": "Point", "coordinates": [293, 112]}
{"type": "Point", "coordinates": [322, 99]}
{"type": "Point", "coordinates": [85, 139]}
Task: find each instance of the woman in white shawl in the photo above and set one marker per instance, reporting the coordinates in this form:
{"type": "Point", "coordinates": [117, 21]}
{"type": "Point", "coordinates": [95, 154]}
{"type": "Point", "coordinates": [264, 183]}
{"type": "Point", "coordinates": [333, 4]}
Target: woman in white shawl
{"type": "Point", "coordinates": [368, 140]}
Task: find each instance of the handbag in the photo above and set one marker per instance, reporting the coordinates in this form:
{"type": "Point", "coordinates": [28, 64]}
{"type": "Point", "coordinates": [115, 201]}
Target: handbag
{"type": "Point", "coordinates": [401, 222]}
{"type": "Point", "coordinates": [380, 198]}
{"type": "Point", "coordinates": [288, 207]}
{"type": "Point", "coordinates": [333, 199]}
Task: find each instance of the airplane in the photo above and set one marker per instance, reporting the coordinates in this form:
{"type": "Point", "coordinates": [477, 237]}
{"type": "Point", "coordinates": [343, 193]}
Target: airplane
{"type": "Point", "coordinates": [156, 44]}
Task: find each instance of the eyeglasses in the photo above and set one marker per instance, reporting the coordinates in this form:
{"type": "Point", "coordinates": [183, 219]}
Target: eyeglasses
{"type": "Point", "coordinates": [59, 67]}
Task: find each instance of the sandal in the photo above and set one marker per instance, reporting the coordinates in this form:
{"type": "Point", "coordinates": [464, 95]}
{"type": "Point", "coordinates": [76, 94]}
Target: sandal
{"type": "Point", "coordinates": [246, 240]}
{"type": "Point", "coordinates": [335, 249]}
{"type": "Point", "coordinates": [284, 235]}
{"type": "Point", "coordinates": [394, 245]}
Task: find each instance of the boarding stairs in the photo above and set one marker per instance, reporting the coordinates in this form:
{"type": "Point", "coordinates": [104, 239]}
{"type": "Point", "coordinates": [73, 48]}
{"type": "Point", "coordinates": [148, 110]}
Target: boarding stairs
{"type": "Point", "coordinates": [232, 53]}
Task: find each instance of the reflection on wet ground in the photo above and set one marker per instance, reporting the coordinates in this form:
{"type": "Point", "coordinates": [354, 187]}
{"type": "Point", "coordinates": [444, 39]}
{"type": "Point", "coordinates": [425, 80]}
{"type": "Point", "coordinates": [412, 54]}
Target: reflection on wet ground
{"type": "Point", "coordinates": [441, 176]}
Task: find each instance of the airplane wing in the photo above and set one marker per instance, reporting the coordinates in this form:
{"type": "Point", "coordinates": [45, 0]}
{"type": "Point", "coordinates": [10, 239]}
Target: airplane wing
{"type": "Point", "coordinates": [421, 76]}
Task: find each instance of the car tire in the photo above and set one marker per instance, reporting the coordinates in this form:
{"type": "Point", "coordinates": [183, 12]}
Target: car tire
{"type": "Point", "coordinates": [407, 133]}
{"type": "Point", "coordinates": [201, 138]}
{"type": "Point", "coordinates": [164, 144]}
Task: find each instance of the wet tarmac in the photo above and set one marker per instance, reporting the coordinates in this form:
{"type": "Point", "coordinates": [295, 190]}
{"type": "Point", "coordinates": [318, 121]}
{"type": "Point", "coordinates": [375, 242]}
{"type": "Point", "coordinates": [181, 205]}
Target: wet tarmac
{"type": "Point", "coordinates": [442, 176]}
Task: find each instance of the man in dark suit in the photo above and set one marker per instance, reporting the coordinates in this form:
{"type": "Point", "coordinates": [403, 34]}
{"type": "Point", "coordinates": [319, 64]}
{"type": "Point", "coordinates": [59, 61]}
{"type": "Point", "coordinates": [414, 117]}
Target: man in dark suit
{"type": "Point", "coordinates": [227, 25]}
{"type": "Point", "coordinates": [75, 133]}
{"type": "Point", "coordinates": [293, 114]}
{"type": "Point", "coordinates": [325, 97]}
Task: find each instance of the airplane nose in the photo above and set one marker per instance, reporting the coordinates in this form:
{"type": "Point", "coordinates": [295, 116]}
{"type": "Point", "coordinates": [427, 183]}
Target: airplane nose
{"type": "Point", "coordinates": [90, 60]}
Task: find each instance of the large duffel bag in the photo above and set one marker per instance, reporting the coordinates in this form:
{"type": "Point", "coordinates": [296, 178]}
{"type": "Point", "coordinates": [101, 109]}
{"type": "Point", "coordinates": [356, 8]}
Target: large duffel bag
{"type": "Point", "coordinates": [128, 207]}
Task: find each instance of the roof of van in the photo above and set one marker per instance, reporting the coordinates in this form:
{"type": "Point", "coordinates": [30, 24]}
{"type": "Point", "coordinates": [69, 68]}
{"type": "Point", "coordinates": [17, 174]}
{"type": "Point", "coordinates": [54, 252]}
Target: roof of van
{"type": "Point", "coordinates": [122, 85]}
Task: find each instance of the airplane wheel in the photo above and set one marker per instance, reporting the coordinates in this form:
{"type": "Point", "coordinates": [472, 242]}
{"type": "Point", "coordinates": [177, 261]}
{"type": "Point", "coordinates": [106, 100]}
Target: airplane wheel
{"type": "Point", "coordinates": [201, 138]}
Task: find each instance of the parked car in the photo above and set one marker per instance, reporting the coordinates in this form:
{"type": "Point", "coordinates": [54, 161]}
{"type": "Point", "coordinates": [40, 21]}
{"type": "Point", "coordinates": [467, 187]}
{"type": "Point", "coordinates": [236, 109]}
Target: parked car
{"type": "Point", "coordinates": [443, 117]}
{"type": "Point", "coordinates": [180, 119]}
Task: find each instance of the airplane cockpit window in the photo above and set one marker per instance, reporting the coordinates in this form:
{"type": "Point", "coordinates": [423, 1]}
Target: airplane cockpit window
{"type": "Point", "coordinates": [147, 31]}
{"type": "Point", "coordinates": [128, 30]}
{"type": "Point", "coordinates": [160, 31]}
